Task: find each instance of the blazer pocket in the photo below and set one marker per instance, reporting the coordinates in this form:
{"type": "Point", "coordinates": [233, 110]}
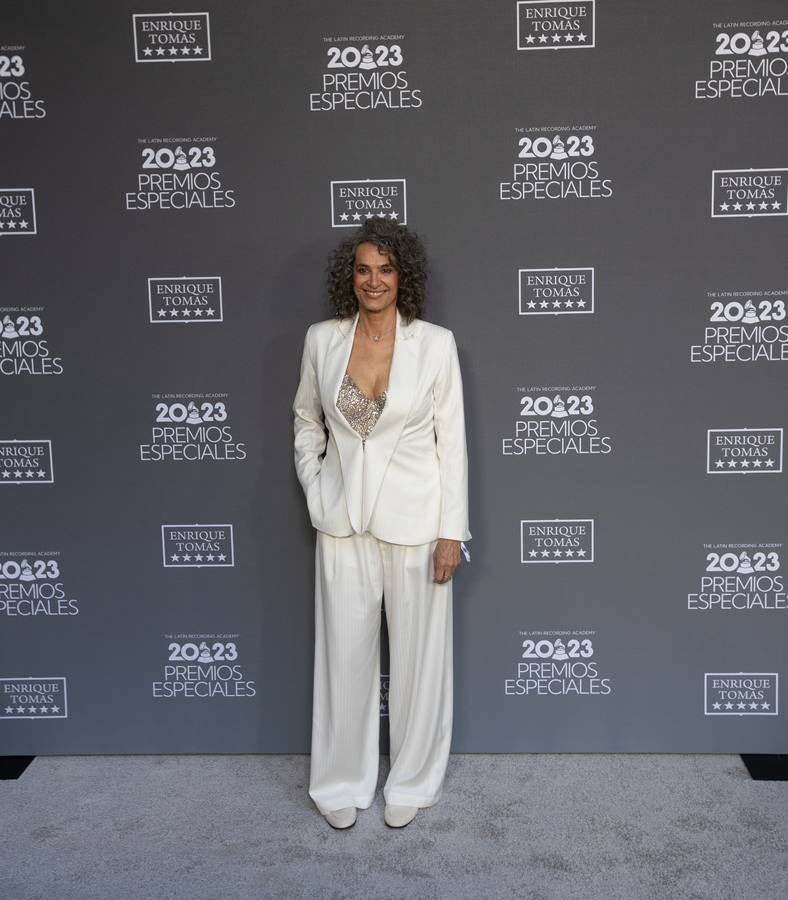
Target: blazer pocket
{"type": "Point", "coordinates": [314, 501]}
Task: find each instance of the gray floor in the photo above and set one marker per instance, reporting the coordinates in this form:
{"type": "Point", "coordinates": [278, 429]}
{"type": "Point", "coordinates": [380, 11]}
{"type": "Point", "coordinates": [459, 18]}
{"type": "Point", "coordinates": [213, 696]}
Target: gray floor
{"type": "Point", "coordinates": [626, 826]}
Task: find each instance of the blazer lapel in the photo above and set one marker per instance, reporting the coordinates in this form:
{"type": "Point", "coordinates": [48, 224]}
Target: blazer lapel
{"type": "Point", "coordinates": [400, 394]}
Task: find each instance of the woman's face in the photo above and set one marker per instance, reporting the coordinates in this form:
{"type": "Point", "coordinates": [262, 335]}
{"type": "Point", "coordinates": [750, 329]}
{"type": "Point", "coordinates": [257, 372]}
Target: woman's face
{"type": "Point", "coordinates": [375, 280]}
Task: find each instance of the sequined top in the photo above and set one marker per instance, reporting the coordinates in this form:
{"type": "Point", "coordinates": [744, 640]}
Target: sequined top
{"type": "Point", "coordinates": [361, 412]}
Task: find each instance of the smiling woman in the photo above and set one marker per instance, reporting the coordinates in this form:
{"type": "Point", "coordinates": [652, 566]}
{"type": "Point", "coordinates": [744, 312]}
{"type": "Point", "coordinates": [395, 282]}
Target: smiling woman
{"type": "Point", "coordinates": [380, 452]}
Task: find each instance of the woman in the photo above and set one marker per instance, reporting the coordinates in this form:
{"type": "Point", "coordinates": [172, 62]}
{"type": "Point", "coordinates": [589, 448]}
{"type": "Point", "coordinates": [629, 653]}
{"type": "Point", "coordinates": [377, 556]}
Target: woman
{"type": "Point", "coordinates": [380, 452]}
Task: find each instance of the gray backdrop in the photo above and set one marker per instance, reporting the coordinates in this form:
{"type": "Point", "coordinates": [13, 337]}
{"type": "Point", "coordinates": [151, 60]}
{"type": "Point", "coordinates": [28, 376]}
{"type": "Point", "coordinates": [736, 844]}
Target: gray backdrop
{"type": "Point", "coordinates": [172, 186]}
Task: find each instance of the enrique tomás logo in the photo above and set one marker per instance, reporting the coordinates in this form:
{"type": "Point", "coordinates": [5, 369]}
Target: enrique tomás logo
{"type": "Point", "coordinates": [26, 462]}
{"type": "Point", "coordinates": [185, 299]}
{"type": "Point", "coordinates": [192, 428]}
{"type": "Point", "coordinates": [749, 192]}
{"type": "Point", "coordinates": [197, 546]}
{"type": "Point", "coordinates": [354, 202]}
{"type": "Point", "coordinates": [740, 693]}
{"type": "Point", "coordinates": [744, 451]}
{"type": "Point", "coordinates": [555, 24]}
{"type": "Point", "coordinates": [556, 540]}
{"type": "Point", "coordinates": [33, 697]}
{"type": "Point", "coordinates": [556, 292]}
{"type": "Point", "coordinates": [172, 37]}
{"type": "Point", "coordinates": [17, 211]}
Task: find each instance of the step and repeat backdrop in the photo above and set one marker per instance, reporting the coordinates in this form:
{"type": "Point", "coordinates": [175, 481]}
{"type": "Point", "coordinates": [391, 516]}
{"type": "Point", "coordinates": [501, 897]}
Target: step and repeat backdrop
{"type": "Point", "coordinates": [602, 187]}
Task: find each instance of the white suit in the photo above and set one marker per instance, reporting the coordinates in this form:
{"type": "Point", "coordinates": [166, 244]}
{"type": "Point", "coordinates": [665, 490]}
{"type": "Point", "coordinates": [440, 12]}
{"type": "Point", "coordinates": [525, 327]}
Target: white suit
{"type": "Point", "coordinates": [379, 509]}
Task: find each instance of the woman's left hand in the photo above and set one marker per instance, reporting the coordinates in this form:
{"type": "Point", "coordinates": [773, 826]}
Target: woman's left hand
{"type": "Point", "coordinates": [446, 558]}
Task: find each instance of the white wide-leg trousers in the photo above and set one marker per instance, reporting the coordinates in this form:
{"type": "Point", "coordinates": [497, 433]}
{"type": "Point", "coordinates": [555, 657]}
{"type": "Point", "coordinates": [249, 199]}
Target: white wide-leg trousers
{"type": "Point", "coordinates": [351, 575]}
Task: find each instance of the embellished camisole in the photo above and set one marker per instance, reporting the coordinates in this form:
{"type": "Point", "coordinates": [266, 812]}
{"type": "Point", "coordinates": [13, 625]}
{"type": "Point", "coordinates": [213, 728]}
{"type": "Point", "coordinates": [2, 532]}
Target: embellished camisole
{"type": "Point", "coordinates": [361, 412]}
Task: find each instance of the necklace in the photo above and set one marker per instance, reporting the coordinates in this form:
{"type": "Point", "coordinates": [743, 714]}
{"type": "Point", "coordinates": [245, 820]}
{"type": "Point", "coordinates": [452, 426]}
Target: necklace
{"type": "Point", "coordinates": [377, 337]}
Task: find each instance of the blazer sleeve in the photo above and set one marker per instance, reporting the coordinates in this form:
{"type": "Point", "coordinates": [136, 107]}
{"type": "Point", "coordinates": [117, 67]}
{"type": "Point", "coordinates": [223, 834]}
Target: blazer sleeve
{"type": "Point", "coordinates": [449, 418]}
{"type": "Point", "coordinates": [309, 431]}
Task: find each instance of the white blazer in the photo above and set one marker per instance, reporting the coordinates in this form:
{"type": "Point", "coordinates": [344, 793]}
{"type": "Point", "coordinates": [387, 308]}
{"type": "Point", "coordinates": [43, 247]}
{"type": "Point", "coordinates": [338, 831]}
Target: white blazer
{"type": "Point", "coordinates": [409, 483]}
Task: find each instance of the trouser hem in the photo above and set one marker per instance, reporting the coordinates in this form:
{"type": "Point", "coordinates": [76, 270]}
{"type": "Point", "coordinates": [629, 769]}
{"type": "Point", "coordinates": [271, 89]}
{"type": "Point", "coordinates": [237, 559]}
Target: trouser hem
{"type": "Point", "coordinates": [395, 798]}
{"type": "Point", "coordinates": [342, 802]}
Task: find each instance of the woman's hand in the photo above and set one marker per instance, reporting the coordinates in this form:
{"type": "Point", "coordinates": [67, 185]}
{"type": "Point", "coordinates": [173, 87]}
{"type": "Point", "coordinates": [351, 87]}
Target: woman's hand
{"type": "Point", "coordinates": [446, 558]}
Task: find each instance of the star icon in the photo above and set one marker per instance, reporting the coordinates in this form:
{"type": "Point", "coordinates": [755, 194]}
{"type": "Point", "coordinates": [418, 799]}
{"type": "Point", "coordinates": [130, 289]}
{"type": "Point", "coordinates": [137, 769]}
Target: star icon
{"type": "Point", "coordinates": [763, 205]}
{"type": "Point", "coordinates": [184, 51]}
{"type": "Point", "coordinates": [532, 553]}
{"type": "Point", "coordinates": [42, 474]}
{"type": "Point", "coordinates": [162, 312]}
{"type": "Point", "coordinates": [173, 51]}
{"type": "Point", "coordinates": [545, 553]}
{"type": "Point", "coordinates": [750, 205]}
{"type": "Point", "coordinates": [719, 464]}
{"type": "Point", "coordinates": [737, 205]}
{"type": "Point", "coordinates": [569, 38]}
{"type": "Point", "coordinates": [581, 37]}
{"type": "Point", "coordinates": [716, 706]}
{"type": "Point", "coordinates": [210, 312]}
{"type": "Point", "coordinates": [542, 38]}
{"type": "Point", "coordinates": [729, 705]}
{"type": "Point", "coordinates": [344, 217]}
{"type": "Point", "coordinates": [356, 217]}
{"type": "Point", "coordinates": [394, 215]}
{"type": "Point", "coordinates": [769, 463]}
{"type": "Point", "coordinates": [724, 207]}
{"type": "Point", "coordinates": [556, 304]}
{"type": "Point", "coordinates": [569, 553]}
{"type": "Point", "coordinates": [198, 313]}
{"type": "Point", "coordinates": [569, 304]}
{"type": "Point", "coordinates": [766, 706]}
{"type": "Point", "coordinates": [529, 39]}
{"type": "Point", "coordinates": [581, 553]}
{"type": "Point", "coordinates": [148, 51]}
{"type": "Point", "coordinates": [12, 224]}
{"type": "Point", "coordinates": [543, 304]}
{"type": "Point", "coordinates": [160, 51]}
{"type": "Point", "coordinates": [222, 557]}
{"type": "Point", "coordinates": [581, 303]}
{"type": "Point", "coordinates": [556, 38]}
{"type": "Point", "coordinates": [531, 304]}
{"type": "Point", "coordinates": [196, 51]}
{"type": "Point", "coordinates": [775, 205]}
{"type": "Point", "coordinates": [556, 553]}
{"type": "Point", "coordinates": [731, 463]}
{"type": "Point", "coordinates": [756, 464]}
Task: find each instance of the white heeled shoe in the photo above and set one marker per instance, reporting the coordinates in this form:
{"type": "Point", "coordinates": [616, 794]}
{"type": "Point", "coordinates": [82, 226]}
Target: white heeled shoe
{"type": "Point", "coordinates": [399, 816]}
{"type": "Point", "coordinates": [342, 818]}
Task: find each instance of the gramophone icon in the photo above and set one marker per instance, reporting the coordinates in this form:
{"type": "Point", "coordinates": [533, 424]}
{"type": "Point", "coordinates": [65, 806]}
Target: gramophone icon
{"type": "Point", "coordinates": [9, 328]}
{"type": "Point", "coordinates": [194, 417]}
{"type": "Point", "coordinates": [205, 653]}
{"type": "Point", "coordinates": [181, 162]}
{"type": "Point", "coordinates": [559, 150]}
{"type": "Point", "coordinates": [559, 408]}
{"type": "Point", "coordinates": [750, 315]}
{"type": "Point", "coordinates": [27, 572]}
{"type": "Point", "coordinates": [756, 47]}
{"type": "Point", "coordinates": [367, 59]}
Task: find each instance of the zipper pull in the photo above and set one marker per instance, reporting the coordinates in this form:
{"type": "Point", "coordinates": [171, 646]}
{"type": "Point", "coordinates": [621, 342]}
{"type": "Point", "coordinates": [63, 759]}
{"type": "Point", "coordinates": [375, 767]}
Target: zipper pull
{"type": "Point", "coordinates": [465, 552]}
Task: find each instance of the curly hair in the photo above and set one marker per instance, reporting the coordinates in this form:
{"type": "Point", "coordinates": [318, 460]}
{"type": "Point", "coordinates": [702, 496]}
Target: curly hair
{"type": "Point", "coordinates": [406, 254]}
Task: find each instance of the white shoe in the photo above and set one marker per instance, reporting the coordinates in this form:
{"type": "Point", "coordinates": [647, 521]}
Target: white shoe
{"type": "Point", "coordinates": [398, 816]}
{"type": "Point", "coordinates": [342, 818]}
